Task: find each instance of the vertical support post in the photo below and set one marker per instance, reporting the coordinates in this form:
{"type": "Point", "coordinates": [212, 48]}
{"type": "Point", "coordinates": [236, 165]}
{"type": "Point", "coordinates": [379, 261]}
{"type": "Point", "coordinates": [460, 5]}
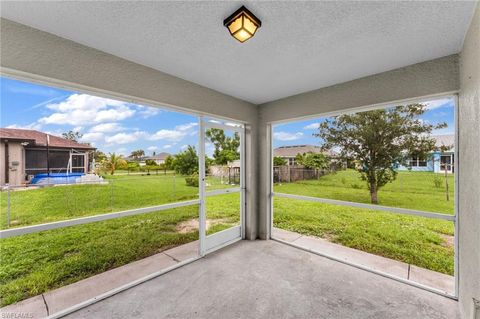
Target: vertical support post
{"type": "Point", "coordinates": [201, 187]}
{"type": "Point", "coordinates": [111, 193]}
{"type": "Point", "coordinates": [456, 197]}
{"type": "Point", "coordinates": [243, 201]}
{"type": "Point", "coordinates": [270, 182]}
{"type": "Point", "coordinates": [174, 184]}
{"type": "Point", "coordinates": [8, 205]}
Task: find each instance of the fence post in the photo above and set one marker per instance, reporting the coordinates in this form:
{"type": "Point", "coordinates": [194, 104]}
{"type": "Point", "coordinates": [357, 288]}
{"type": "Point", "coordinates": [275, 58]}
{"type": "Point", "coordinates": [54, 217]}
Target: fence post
{"type": "Point", "coordinates": [111, 195]}
{"type": "Point", "coordinates": [8, 205]}
{"type": "Point", "coordinates": [174, 183]}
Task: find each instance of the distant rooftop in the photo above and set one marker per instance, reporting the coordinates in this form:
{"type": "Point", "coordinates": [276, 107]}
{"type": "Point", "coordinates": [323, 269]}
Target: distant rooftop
{"type": "Point", "coordinates": [293, 150]}
{"type": "Point", "coordinates": [159, 156]}
{"type": "Point", "coordinates": [39, 139]}
{"type": "Point", "coordinates": [445, 140]}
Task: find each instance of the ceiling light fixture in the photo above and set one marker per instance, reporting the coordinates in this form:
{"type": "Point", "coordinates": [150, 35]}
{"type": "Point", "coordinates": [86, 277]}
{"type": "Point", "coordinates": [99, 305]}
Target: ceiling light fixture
{"type": "Point", "coordinates": [242, 24]}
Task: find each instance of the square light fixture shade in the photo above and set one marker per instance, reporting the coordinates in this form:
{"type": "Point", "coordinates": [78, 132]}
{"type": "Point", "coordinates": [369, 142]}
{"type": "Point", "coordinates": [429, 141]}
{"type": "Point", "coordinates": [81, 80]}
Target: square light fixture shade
{"type": "Point", "coordinates": [242, 24]}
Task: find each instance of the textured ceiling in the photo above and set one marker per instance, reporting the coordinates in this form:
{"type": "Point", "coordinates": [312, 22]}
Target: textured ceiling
{"type": "Point", "coordinates": [301, 46]}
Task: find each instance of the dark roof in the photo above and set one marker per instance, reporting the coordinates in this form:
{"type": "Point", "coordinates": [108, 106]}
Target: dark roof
{"type": "Point", "coordinates": [293, 150]}
{"type": "Point", "coordinates": [36, 138]}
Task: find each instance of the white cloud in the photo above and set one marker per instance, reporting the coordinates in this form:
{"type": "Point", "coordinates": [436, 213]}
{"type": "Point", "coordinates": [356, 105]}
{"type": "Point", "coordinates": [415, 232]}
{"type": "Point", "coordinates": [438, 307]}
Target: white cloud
{"type": "Point", "coordinates": [312, 126]}
{"type": "Point", "coordinates": [147, 111]}
{"type": "Point", "coordinates": [84, 109]}
{"type": "Point", "coordinates": [435, 104]}
{"type": "Point", "coordinates": [107, 128]}
{"type": "Point", "coordinates": [124, 138]}
{"type": "Point", "coordinates": [186, 127]}
{"type": "Point", "coordinates": [174, 135]}
{"type": "Point", "coordinates": [168, 135]}
{"type": "Point", "coordinates": [92, 137]}
{"type": "Point", "coordinates": [167, 146]}
{"type": "Point", "coordinates": [285, 136]}
{"type": "Point", "coordinates": [152, 148]}
{"type": "Point", "coordinates": [184, 147]}
{"type": "Point", "coordinates": [31, 126]}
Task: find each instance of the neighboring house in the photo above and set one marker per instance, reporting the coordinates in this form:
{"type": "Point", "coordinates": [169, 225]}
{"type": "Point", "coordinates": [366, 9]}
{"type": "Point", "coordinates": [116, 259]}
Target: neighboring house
{"type": "Point", "coordinates": [288, 153]}
{"type": "Point", "coordinates": [438, 161]}
{"type": "Point", "coordinates": [158, 158]}
{"type": "Point", "coordinates": [24, 153]}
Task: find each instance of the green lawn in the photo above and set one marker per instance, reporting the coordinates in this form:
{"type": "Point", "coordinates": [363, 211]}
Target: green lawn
{"type": "Point", "coordinates": [122, 192]}
{"type": "Point", "coordinates": [420, 241]}
{"type": "Point", "coordinates": [414, 190]}
{"type": "Point", "coordinates": [35, 263]}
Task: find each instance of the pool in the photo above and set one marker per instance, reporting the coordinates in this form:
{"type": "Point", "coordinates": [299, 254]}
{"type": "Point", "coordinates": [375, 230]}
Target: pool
{"type": "Point", "coordinates": [56, 178]}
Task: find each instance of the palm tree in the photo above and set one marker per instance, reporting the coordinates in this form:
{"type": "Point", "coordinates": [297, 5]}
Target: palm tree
{"type": "Point", "coordinates": [137, 154]}
{"type": "Point", "coordinates": [113, 162]}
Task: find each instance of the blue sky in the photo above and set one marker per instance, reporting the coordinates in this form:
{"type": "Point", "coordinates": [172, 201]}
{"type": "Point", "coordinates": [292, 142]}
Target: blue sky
{"type": "Point", "coordinates": [115, 126]}
{"type": "Point", "coordinates": [301, 132]}
{"type": "Point", "coordinates": [111, 126]}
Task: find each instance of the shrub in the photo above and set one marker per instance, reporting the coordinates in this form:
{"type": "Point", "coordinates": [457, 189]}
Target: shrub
{"type": "Point", "coordinates": [192, 180]}
{"type": "Point", "coordinates": [437, 181]}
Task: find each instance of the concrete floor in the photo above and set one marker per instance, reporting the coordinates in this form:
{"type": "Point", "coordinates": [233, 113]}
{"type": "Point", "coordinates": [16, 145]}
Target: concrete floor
{"type": "Point", "coordinates": [403, 270]}
{"type": "Point", "coordinates": [267, 279]}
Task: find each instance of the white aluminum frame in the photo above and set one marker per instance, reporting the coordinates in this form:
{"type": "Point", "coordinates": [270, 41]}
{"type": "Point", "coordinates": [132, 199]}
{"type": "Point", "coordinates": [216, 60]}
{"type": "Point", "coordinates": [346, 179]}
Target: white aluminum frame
{"type": "Point", "coordinates": [453, 218]}
{"type": "Point", "coordinates": [12, 232]}
{"type": "Point", "coordinates": [238, 126]}
{"type": "Point", "coordinates": [232, 234]}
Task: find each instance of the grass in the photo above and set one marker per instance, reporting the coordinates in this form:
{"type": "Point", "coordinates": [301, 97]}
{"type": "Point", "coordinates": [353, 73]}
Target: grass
{"type": "Point", "coordinates": [414, 190]}
{"type": "Point", "coordinates": [414, 240]}
{"type": "Point", "coordinates": [35, 263]}
{"type": "Point", "coordinates": [49, 204]}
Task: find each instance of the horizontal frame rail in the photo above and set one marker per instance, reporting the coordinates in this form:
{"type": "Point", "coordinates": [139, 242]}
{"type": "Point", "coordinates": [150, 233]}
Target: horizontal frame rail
{"type": "Point", "coordinates": [395, 210]}
{"type": "Point", "coordinates": [92, 219]}
{"type": "Point", "coordinates": [223, 191]}
{"type": "Point", "coordinates": [224, 127]}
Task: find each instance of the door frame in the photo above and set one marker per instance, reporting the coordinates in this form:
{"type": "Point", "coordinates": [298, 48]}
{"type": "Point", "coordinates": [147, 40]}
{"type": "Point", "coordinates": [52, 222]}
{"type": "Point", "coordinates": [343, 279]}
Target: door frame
{"type": "Point", "coordinates": [228, 236]}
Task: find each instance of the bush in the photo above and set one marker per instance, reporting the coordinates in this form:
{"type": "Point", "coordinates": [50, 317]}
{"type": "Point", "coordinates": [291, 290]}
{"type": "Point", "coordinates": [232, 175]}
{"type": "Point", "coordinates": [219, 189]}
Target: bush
{"type": "Point", "coordinates": [437, 181]}
{"type": "Point", "coordinates": [192, 180]}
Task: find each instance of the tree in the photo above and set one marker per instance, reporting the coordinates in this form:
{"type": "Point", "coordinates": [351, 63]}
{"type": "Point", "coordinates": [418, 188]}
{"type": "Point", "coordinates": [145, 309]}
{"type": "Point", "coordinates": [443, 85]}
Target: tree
{"type": "Point", "coordinates": [72, 135]}
{"type": "Point", "coordinates": [186, 162]}
{"type": "Point", "coordinates": [150, 162]}
{"type": "Point", "coordinates": [278, 161]}
{"type": "Point", "coordinates": [379, 140]}
{"type": "Point", "coordinates": [99, 156]}
{"type": "Point", "coordinates": [114, 162]}
{"type": "Point", "coordinates": [315, 160]}
{"type": "Point", "coordinates": [169, 160]}
{"type": "Point", "coordinates": [137, 154]}
{"type": "Point", "coordinates": [226, 148]}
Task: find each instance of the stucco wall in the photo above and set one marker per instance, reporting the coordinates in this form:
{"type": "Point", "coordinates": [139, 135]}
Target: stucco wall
{"type": "Point", "coordinates": [16, 153]}
{"type": "Point", "coordinates": [469, 174]}
{"type": "Point", "coordinates": [27, 53]}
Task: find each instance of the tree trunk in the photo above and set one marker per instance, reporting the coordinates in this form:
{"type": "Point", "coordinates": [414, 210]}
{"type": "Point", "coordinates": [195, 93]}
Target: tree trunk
{"type": "Point", "coordinates": [373, 194]}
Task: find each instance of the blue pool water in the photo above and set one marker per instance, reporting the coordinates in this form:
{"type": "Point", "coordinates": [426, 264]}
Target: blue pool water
{"type": "Point", "coordinates": [56, 178]}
